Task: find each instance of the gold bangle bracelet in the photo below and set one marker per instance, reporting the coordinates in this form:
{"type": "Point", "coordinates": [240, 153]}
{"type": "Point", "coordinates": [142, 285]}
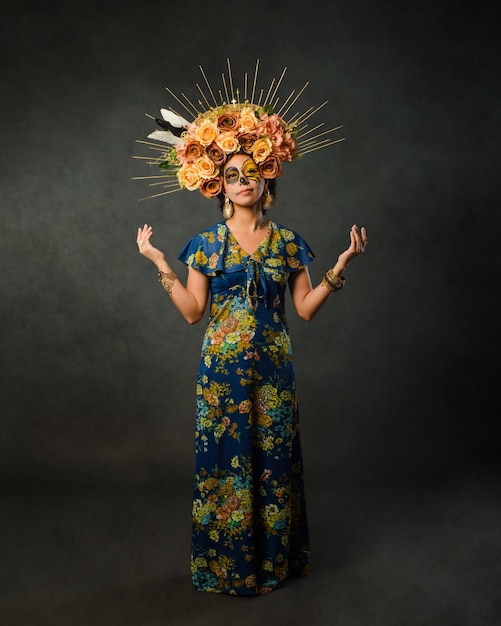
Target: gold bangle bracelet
{"type": "Point", "coordinates": [332, 282]}
{"type": "Point", "coordinates": [167, 279]}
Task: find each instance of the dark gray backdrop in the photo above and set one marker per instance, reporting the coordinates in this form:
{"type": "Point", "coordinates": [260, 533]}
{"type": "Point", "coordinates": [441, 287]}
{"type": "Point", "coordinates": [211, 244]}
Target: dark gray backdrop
{"type": "Point", "coordinates": [395, 374]}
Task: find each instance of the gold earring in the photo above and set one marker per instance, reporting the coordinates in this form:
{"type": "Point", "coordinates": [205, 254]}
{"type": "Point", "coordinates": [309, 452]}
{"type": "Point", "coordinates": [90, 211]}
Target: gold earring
{"type": "Point", "coordinates": [227, 209]}
{"type": "Point", "coordinates": [268, 200]}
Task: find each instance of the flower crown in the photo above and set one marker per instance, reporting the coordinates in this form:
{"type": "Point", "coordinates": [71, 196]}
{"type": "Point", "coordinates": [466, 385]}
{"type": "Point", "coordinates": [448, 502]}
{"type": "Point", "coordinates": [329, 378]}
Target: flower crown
{"type": "Point", "coordinates": [198, 150]}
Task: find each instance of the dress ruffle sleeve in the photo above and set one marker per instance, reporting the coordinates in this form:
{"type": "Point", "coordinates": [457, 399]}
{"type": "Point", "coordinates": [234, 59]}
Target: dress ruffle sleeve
{"type": "Point", "coordinates": [206, 251]}
{"type": "Point", "coordinates": [287, 250]}
{"type": "Point", "coordinates": [214, 251]}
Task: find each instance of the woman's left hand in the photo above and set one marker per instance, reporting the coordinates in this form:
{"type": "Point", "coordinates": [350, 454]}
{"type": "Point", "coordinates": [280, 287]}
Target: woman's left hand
{"type": "Point", "coordinates": [358, 242]}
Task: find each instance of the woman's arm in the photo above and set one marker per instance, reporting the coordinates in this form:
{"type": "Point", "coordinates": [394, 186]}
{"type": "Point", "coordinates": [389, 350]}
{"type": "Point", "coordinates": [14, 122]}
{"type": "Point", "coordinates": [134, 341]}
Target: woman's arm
{"type": "Point", "coordinates": [190, 300]}
{"type": "Point", "coordinates": [308, 300]}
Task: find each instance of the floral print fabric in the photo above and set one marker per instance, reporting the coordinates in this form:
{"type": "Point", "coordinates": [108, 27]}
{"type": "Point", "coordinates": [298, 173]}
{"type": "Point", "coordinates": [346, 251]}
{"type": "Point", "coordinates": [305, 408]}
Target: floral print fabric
{"type": "Point", "coordinates": [249, 518]}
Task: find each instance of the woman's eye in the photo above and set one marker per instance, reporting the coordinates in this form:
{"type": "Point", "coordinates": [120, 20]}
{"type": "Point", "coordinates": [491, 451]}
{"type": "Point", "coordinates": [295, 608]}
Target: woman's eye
{"type": "Point", "coordinates": [231, 176]}
{"type": "Point", "coordinates": [252, 173]}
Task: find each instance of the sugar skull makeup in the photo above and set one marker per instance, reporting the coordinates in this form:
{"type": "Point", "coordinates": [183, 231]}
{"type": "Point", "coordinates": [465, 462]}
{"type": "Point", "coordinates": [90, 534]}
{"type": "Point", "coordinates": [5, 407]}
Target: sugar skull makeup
{"type": "Point", "coordinates": [250, 171]}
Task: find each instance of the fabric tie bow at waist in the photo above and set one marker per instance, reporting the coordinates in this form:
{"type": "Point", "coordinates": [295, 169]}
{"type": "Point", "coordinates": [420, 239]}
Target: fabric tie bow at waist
{"type": "Point", "coordinates": [257, 285]}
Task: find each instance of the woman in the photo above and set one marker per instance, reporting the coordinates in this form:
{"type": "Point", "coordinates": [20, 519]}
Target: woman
{"type": "Point", "coordinates": [249, 518]}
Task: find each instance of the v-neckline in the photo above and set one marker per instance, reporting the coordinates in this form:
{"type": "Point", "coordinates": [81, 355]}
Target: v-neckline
{"type": "Point", "coordinates": [261, 243]}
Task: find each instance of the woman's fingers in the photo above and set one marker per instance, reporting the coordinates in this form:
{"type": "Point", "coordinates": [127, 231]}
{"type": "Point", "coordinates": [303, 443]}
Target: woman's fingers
{"type": "Point", "coordinates": [143, 236]}
{"type": "Point", "coordinates": [364, 236]}
{"type": "Point", "coordinates": [358, 238]}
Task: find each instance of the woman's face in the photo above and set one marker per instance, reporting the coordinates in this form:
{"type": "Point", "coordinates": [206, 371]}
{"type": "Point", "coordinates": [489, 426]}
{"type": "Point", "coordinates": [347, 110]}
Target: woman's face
{"type": "Point", "coordinates": [243, 184]}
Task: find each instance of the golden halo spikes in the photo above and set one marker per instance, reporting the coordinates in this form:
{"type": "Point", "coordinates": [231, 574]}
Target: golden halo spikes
{"type": "Point", "coordinates": [181, 151]}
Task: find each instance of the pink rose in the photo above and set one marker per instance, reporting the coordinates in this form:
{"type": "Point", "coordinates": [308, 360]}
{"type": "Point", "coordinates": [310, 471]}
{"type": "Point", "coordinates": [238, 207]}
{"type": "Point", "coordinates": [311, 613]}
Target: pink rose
{"type": "Point", "coordinates": [285, 147]}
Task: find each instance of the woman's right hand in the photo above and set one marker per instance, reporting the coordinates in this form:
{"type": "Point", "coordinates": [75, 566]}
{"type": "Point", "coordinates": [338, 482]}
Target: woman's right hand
{"type": "Point", "coordinates": [144, 245]}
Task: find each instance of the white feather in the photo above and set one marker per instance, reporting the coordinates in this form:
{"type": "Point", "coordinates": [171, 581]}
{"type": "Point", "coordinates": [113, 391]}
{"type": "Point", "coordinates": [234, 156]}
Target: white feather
{"type": "Point", "coordinates": [175, 120]}
{"type": "Point", "coordinates": [164, 135]}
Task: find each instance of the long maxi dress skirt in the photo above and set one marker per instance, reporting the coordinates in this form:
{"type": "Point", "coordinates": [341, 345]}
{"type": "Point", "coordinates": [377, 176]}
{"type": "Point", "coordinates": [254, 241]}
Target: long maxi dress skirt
{"type": "Point", "coordinates": [249, 518]}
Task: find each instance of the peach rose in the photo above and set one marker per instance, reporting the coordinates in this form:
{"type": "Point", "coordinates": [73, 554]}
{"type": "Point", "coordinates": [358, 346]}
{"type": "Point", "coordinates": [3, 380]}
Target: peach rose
{"type": "Point", "coordinates": [205, 167]}
{"type": "Point", "coordinates": [261, 149]}
{"type": "Point", "coordinates": [248, 120]}
{"type": "Point", "coordinates": [228, 142]}
{"type": "Point", "coordinates": [188, 177]}
{"type": "Point", "coordinates": [211, 187]}
{"type": "Point", "coordinates": [207, 132]}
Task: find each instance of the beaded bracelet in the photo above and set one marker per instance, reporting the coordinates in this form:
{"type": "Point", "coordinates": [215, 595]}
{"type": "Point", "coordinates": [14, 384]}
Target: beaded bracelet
{"type": "Point", "coordinates": [167, 279]}
{"type": "Point", "coordinates": [332, 282]}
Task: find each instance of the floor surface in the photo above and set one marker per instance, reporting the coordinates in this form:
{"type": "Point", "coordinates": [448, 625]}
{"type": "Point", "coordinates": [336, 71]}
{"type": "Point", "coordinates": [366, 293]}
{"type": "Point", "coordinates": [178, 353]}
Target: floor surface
{"type": "Point", "coordinates": [87, 556]}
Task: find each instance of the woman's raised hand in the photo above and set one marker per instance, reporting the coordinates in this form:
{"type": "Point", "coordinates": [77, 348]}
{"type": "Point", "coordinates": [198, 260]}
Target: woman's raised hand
{"type": "Point", "coordinates": [144, 245]}
{"type": "Point", "coordinates": [358, 242]}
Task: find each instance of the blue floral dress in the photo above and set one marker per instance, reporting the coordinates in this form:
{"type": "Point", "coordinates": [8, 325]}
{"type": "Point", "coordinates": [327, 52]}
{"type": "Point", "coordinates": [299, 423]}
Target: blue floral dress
{"type": "Point", "coordinates": [249, 518]}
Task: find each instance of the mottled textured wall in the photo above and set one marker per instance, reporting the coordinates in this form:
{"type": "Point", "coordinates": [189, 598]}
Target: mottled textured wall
{"type": "Point", "coordinates": [98, 368]}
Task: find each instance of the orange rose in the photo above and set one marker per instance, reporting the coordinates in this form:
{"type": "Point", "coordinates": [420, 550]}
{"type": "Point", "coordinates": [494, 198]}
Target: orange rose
{"type": "Point", "coordinates": [228, 121]}
{"type": "Point", "coordinates": [217, 337]}
{"type": "Point", "coordinates": [215, 153]}
{"type": "Point", "coordinates": [271, 167]}
{"type": "Point", "coordinates": [232, 502]}
{"type": "Point", "coordinates": [211, 187]}
{"type": "Point", "coordinates": [244, 406]}
{"type": "Point", "coordinates": [247, 141]}
{"type": "Point", "coordinates": [229, 325]}
{"type": "Point", "coordinates": [194, 150]}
